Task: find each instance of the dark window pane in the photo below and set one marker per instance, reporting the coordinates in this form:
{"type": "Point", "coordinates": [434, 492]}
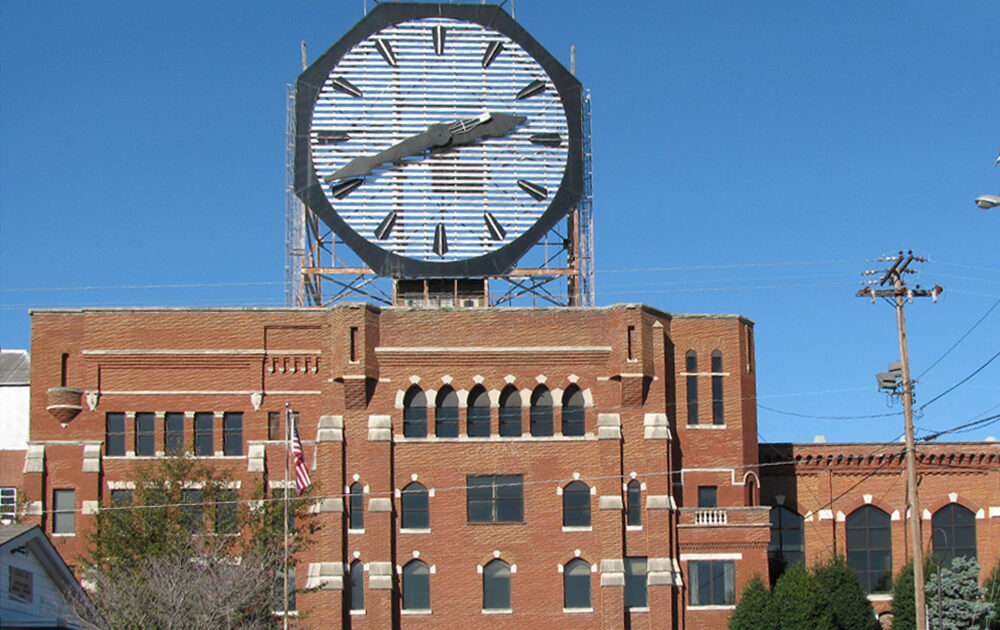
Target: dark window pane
{"type": "Point", "coordinates": [274, 431]}
{"type": "Point", "coordinates": [633, 511]}
{"type": "Point", "coordinates": [203, 438]}
{"type": "Point", "coordinates": [192, 510]}
{"type": "Point", "coordinates": [479, 413]}
{"type": "Point", "coordinates": [496, 586]}
{"type": "Point", "coordinates": [413, 503]}
{"type": "Point", "coordinates": [145, 434]}
{"type": "Point", "coordinates": [114, 436]}
{"type": "Point", "coordinates": [954, 533]}
{"type": "Point", "coordinates": [572, 412]}
{"type": "Point", "coordinates": [226, 513]}
{"type": "Point", "coordinates": [64, 511]}
{"type": "Point", "coordinates": [415, 413]}
{"type": "Point", "coordinates": [869, 547]}
{"type": "Point", "coordinates": [279, 589]}
{"type": "Point", "coordinates": [713, 582]}
{"type": "Point", "coordinates": [446, 413]}
{"type": "Point", "coordinates": [357, 585]}
{"type": "Point", "coordinates": [541, 412]}
{"type": "Point", "coordinates": [717, 406]}
{"type": "Point", "coordinates": [232, 433]}
{"type": "Point", "coordinates": [121, 497]}
{"type": "Point", "coordinates": [357, 506]}
{"type": "Point", "coordinates": [416, 586]}
{"type": "Point", "coordinates": [576, 505]}
{"type": "Point", "coordinates": [787, 541]}
{"type": "Point", "coordinates": [708, 496]}
{"type": "Point", "coordinates": [510, 413]}
{"type": "Point", "coordinates": [495, 498]}
{"type": "Point", "coordinates": [576, 584]}
{"type": "Point", "coordinates": [635, 583]}
{"type": "Point", "coordinates": [692, 387]}
{"type": "Point", "coordinates": [173, 438]}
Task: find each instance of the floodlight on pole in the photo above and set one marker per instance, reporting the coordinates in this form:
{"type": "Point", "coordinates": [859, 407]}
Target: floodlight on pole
{"type": "Point", "coordinates": [988, 201]}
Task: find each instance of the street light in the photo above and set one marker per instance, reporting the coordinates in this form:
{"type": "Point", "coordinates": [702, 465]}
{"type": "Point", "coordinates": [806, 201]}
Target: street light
{"type": "Point", "coordinates": [988, 201]}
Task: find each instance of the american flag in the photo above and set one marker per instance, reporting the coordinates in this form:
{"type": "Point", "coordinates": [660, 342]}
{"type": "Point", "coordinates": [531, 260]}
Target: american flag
{"type": "Point", "coordinates": [299, 459]}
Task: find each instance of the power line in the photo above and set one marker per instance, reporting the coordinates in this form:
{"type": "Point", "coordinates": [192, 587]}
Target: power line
{"type": "Point", "coordinates": [960, 339]}
{"type": "Point", "coordinates": [961, 382]}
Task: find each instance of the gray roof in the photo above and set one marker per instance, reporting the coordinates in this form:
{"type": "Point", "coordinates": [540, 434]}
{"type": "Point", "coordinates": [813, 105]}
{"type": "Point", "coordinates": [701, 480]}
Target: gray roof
{"type": "Point", "coordinates": [15, 367]}
{"type": "Point", "coordinates": [10, 532]}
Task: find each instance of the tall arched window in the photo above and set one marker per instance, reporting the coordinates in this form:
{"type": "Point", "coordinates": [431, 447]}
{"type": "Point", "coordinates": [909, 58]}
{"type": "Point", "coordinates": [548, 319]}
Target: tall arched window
{"type": "Point", "coordinates": [414, 507]}
{"type": "Point", "coordinates": [869, 548]}
{"type": "Point", "coordinates": [541, 411]}
{"type": "Point", "coordinates": [691, 367]}
{"type": "Point", "coordinates": [416, 586]}
{"type": "Point", "coordinates": [496, 586]}
{"type": "Point", "coordinates": [633, 504]}
{"type": "Point", "coordinates": [576, 504]}
{"type": "Point", "coordinates": [576, 584]}
{"type": "Point", "coordinates": [954, 533]}
{"type": "Point", "coordinates": [478, 424]}
{"type": "Point", "coordinates": [446, 413]}
{"type": "Point", "coordinates": [415, 413]}
{"type": "Point", "coordinates": [510, 412]}
{"type": "Point", "coordinates": [718, 416]}
{"type": "Point", "coordinates": [572, 411]}
{"type": "Point", "coordinates": [787, 541]}
{"type": "Point", "coordinates": [357, 585]}
{"type": "Point", "coordinates": [356, 511]}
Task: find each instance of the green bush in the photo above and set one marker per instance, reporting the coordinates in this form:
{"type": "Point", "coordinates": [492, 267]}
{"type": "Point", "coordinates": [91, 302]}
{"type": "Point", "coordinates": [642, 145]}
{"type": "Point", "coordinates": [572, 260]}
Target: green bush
{"type": "Point", "coordinates": [801, 602]}
{"type": "Point", "coordinates": [755, 610]}
{"type": "Point", "coordinates": [846, 599]}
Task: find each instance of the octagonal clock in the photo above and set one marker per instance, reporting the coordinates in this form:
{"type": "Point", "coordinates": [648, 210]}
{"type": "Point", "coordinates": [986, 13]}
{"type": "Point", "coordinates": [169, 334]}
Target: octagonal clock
{"type": "Point", "coordinates": [438, 140]}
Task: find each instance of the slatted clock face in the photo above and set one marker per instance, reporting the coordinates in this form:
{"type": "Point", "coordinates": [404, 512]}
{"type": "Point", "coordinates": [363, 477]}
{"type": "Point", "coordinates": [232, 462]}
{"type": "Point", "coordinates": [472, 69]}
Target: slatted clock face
{"type": "Point", "coordinates": [438, 139]}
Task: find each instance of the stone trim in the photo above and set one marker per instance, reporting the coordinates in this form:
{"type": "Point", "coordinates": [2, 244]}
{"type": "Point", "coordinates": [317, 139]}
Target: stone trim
{"type": "Point", "coordinates": [379, 428]}
{"type": "Point", "coordinates": [656, 426]}
{"type": "Point", "coordinates": [379, 576]}
{"type": "Point", "coordinates": [609, 426]}
{"type": "Point", "coordinates": [325, 576]}
{"type": "Point", "coordinates": [34, 459]}
{"type": "Point", "coordinates": [660, 502]}
{"type": "Point", "coordinates": [255, 458]}
{"type": "Point", "coordinates": [613, 502]}
{"type": "Point", "coordinates": [331, 429]}
{"type": "Point", "coordinates": [92, 458]}
{"type": "Point", "coordinates": [613, 572]}
{"type": "Point", "coordinates": [380, 504]}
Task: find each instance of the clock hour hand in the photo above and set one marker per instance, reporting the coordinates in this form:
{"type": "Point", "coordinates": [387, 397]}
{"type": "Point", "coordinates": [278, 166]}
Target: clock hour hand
{"type": "Point", "coordinates": [486, 125]}
{"type": "Point", "coordinates": [437, 135]}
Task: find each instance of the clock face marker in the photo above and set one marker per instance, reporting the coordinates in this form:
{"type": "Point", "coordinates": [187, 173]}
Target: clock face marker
{"type": "Point", "coordinates": [537, 192]}
{"type": "Point", "coordinates": [343, 85]}
{"type": "Point", "coordinates": [345, 188]}
{"type": "Point", "coordinates": [497, 233]}
{"type": "Point", "coordinates": [438, 34]}
{"type": "Point", "coordinates": [494, 48]}
{"type": "Point", "coordinates": [535, 87]}
{"type": "Point", "coordinates": [385, 49]}
{"type": "Point", "coordinates": [440, 240]}
{"type": "Point", "coordinates": [546, 139]}
{"type": "Point", "coordinates": [327, 136]}
{"type": "Point", "coordinates": [384, 229]}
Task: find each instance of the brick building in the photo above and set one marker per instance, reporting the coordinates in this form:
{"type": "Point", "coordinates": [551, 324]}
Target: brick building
{"type": "Point", "coordinates": [514, 467]}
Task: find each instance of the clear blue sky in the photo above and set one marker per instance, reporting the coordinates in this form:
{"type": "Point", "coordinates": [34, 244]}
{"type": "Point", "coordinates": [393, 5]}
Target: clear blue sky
{"type": "Point", "coordinates": [749, 157]}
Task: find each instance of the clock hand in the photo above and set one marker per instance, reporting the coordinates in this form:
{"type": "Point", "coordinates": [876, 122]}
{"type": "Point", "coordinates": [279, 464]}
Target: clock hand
{"type": "Point", "coordinates": [439, 135]}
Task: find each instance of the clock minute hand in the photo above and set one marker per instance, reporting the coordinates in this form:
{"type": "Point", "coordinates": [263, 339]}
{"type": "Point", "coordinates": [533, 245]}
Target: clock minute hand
{"type": "Point", "coordinates": [488, 125]}
{"type": "Point", "coordinates": [437, 135]}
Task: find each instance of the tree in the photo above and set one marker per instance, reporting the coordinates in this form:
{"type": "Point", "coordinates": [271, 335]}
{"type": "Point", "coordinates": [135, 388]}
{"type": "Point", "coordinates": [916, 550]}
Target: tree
{"type": "Point", "coordinates": [184, 550]}
{"type": "Point", "coordinates": [755, 610]}
{"type": "Point", "coordinates": [847, 601]}
{"type": "Point", "coordinates": [800, 601]}
{"type": "Point", "coordinates": [953, 596]}
{"type": "Point", "coordinates": [904, 612]}
{"type": "Point", "coordinates": [993, 596]}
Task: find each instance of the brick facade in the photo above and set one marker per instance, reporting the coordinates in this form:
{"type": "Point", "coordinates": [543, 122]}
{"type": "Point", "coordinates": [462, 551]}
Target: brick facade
{"type": "Point", "coordinates": [346, 371]}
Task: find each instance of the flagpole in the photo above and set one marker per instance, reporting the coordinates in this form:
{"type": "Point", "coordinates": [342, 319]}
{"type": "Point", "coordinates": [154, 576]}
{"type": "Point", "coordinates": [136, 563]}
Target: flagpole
{"type": "Point", "coordinates": [288, 438]}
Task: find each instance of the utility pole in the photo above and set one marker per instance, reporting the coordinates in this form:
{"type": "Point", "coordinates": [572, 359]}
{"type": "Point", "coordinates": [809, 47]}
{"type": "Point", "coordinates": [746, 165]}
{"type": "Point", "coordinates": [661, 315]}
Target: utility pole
{"type": "Point", "coordinates": [900, 293]}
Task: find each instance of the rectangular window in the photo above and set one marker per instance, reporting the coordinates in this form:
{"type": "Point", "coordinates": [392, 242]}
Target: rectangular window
{"type": "Point", "coordinates": [232, 433]}
{"type": "Point", "coordinates": [708, 496]}
{"type": "Point", "coordinates": [226, 510]}
{"type": "Point", "coordinates": [717, 416]}
{"type": "Point", "coordinates": [145, 434]}
{"type": "Point", "coordinates": [691, 367]}
{"type": "Point", "coordinates": [203, 443]}
{"type": "Point", "coordinates": [635, 583]}
{"type": "Point", "coordinates": [354, 344]}
{"type": "Point", "coordinates": [114, 434]}
{"type": "Point", "coordinates": [173, 433]}
{"type": "Point", "coordinates": [63, 511]}
{"type": "Point", "coordinates": [121, 497]}
{"type": "Point", "coordinates": [193, 510]}
{"type": "Point", "coordinates": [630, 334]}
{"type": "Point", "coordinates": [712, 582]}
{"type": "Point", "coordinates": [8, 505]}
{"type": "Point", "coordinates": [495, 498]}
{"type": "Point", "coordinates": [279, 590]}
{"type": "Point", "coordinates": [274, 431]}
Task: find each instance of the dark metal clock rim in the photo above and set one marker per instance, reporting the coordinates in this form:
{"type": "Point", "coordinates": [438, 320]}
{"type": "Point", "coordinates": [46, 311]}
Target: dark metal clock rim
{"type": "Point", "coordinates": [383, 262]}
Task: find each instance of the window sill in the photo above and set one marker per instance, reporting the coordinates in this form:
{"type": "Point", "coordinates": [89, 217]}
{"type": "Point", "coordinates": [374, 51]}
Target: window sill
{"type": "Point", "coordinates": [574, 528]}
{"type": "Point", "coordinates": [633, 528]}
{"type": "Point", "coordinates": [706, 427]}
{"type": "Point", "coordinates": [419, 611]}
{"type": "Point", "coordinates": [587, 437]}
{"type": "Point", "coordinates": [638, 609]}
{"type": "Point", "coordinates": [63, 534]}
{"type": "Point", "coordinates": [498, 611]}
{"type": "Point", "coordinates": [355, 531]}
{"type": "Point", "coordinates": [281, 613]}
{"type": "Point", "coordinates": [358, 613]}
{"type": "Point", "coordinates": [712, 607]}
{"type": "Point", "coordinates": [570, 611]}
{"type": "Point", "coordinates": [414, 530]}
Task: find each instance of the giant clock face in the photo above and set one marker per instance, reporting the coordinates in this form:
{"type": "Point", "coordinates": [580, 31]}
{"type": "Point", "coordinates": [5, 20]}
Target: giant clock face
{"type": "Point", "coordinates": [438, 140]}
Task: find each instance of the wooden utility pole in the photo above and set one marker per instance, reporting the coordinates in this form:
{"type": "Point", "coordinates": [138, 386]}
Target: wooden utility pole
{"type": "Point", "coordinates": [900, 293]}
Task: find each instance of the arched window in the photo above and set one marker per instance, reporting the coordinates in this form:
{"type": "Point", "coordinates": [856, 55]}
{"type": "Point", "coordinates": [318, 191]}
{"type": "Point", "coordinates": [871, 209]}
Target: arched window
{"type": "Point", "coordinates": [415, 413]}
{"type": "Point", "coordinates": [446, 413]}
{"type": "Point", "coordinates": [541, 411]}
{"type": "Point", "coordinates": [413, 505]}
{"type": "Point", "coordinates": [496, 586]}
{"type": "Point", "coordinates": [576, 504]}
{"type": "Point", "coordinates": [416, 586]}
{"type": "Point", "coordinates": [478, 424]}
{"type": "Point", "coordinates": [572, 411]}
{"type": "Point", "coordinates": [717, 407]}
{"type": "Point", "coordinates": [869, 548]}
{"type": "Point", "coordinates": [510, 412]}
{"type": "Point", "coordinates": [787, 544]}
{"type": "Point", "coordinates": [576, 584]}
{"type": "Point", "coordinates": [691, 367]}
{"type": "Point", "coordinates": [954, 533]}
{"type": "Point", "coordinates": [357, 506]}
{"type": "Point", "coordinates": [357, 585]}
{"type": "Point", "coordinates": [751, 488]}
{"type": "Point", "coordinates": [633, 505]}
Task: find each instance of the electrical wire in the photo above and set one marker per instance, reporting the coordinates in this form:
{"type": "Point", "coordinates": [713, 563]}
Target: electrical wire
{"type": "Point", "coordinates": [960, 340]}
{"type": "Point", "coordinates": [961, 382]}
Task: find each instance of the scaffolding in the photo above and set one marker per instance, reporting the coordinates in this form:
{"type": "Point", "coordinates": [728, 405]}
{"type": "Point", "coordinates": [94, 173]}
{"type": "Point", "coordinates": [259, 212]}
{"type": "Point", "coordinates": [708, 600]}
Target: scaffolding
{"type": "Point", "coordinates": [321, 271]}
